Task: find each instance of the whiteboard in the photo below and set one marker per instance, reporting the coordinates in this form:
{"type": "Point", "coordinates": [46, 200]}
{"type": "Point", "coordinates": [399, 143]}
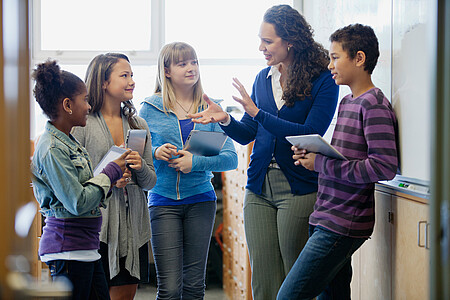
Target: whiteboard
{"type": "Point", "coordinates": [403, 68]}
{"type": "Point", "coordinates": [411, 86]}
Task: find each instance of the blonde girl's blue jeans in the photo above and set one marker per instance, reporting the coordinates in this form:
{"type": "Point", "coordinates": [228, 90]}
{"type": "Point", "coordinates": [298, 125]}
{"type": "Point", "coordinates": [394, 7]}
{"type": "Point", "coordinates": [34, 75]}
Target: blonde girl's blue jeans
{"type": "Point", "coordinates": [180, 242]}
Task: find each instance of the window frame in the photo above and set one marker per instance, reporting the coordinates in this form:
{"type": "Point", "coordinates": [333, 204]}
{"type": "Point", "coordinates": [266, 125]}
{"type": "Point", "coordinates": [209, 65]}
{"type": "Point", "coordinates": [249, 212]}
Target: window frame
{"type": "Point", "coordinates": [138, 57]}
{"type": "Point", "coordinates": [84, 56]}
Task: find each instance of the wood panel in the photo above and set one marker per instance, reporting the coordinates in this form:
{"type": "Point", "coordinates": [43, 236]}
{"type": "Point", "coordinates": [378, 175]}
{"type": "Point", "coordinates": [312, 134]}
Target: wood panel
{"type": "Point", "coordinates": [410, 261]}
{"type": "Point", "coordinates": [236, 266]}
{"type": "Point", "coordinates": [14, 131]}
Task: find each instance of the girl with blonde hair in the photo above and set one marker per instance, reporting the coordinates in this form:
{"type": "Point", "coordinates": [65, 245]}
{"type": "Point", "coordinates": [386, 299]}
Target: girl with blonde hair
{"type": "Point", "coordinates": [182, 204]}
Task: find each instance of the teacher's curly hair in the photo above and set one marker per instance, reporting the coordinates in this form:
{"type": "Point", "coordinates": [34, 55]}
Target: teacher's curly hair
{"type": "Point", "coordinates": [310, 57]}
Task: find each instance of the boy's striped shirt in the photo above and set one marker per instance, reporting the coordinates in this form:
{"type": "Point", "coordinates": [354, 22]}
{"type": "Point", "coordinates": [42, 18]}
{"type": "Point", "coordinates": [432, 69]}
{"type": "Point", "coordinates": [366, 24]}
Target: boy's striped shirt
{"type": "Point", "coordinates": [365, 133]}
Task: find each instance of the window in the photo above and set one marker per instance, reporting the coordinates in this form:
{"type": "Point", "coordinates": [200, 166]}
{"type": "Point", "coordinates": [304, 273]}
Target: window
{"type": "Point", "coordinates": [75, 31]}
{"type": "Point", "coordinates": [226, 30]}
{"type": "Point", "coordinates": [104, 31]}
{"type": "Point", "coordinates": [223, 33]}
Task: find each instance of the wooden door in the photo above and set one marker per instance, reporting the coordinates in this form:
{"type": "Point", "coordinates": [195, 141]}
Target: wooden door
{"type": "Point", "coordinates": [14, 132]}
{"type": "Point", "coordinates": [410, 256]}
{"type": "Point", "coordinates": [236, 265]}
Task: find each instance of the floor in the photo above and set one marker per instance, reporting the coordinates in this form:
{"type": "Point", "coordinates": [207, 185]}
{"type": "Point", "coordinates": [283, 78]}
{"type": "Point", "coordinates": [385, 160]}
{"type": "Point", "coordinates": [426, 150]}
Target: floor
{"type": "Point", "coordinates": [213, 292]}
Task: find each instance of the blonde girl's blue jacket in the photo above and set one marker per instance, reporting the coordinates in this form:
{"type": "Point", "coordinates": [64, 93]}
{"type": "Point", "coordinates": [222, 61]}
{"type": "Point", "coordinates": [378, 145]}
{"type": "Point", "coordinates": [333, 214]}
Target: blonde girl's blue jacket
{"type": "Point", "coordinates": [164, 128]}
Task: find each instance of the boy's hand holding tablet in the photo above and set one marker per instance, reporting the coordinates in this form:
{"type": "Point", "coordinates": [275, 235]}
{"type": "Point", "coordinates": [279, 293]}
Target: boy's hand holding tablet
{"type": "Point", "coordinates": [303, 157]}
{"type": "Point", "coordinates": [306, 146]}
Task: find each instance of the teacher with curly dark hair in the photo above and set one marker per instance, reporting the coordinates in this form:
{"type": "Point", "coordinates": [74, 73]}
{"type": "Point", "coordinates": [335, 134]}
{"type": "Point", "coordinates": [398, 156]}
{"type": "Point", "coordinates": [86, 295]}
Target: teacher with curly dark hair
{"type": "Point", "coordinates": [294, 95]}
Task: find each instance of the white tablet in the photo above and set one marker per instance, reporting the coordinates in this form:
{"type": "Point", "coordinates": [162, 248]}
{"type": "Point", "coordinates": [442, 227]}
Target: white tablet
{"type": "Point", "coordinates": [315, 143]}
{"type": "Point", "coordinates": [113, 153]}
{"type": "Point", "coordinates": [136, 140]}
{"type": "Point", "coordinates": [205, 143]}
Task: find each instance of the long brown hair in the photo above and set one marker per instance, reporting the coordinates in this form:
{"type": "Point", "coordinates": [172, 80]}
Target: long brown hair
{"type": "Point", "coordinates": [310, 57]}
{"type": "Point", "coordinates": [98, 72]}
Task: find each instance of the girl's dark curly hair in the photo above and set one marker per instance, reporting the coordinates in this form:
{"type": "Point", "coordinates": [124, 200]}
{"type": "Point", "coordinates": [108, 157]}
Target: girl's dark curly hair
{"type": "Point", "coordinates": [98, 72]}
{"type": "Point", "coordinates": [310, 57]}
{"type": "Point", "coordinates": [53, 85]}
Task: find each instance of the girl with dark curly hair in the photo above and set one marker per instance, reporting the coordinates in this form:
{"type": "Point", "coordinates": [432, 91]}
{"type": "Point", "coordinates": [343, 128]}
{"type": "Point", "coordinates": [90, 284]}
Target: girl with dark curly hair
{"type": "Point", "coordinates": [69, 195]}
{"type": "Point", "coordinates": [295, 95]}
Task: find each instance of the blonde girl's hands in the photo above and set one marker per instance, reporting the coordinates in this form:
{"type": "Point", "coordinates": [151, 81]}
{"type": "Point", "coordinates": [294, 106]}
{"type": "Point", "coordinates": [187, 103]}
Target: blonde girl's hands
{"type": "Point", "coordinates": [126, 178]}
{"type": "Point", "coordinates": [165, 152]}
{"type": "Point", "coordinates": [213, 114]}
{"type": "Point", "coordinates": [134, 160]}
{"type": "Point", "coordinates": [183, 163]}
{"type": "Point", "coordinates": [246, 102]}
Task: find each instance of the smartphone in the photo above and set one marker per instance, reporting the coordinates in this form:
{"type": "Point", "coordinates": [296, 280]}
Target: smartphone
{"type": "Point", "coordinates": [136, 140]}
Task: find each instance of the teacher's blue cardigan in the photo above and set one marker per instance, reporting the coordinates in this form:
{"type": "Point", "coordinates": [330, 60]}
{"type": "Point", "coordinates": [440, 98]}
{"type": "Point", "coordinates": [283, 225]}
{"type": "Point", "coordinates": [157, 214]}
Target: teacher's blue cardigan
{"type": "Point", "coordinates": [270, 127]}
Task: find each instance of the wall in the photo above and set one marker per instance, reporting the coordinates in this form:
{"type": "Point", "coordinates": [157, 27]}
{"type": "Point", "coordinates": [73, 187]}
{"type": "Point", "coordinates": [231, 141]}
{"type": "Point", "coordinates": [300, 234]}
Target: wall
{"type": "Point", "coordinates": [411, 95]}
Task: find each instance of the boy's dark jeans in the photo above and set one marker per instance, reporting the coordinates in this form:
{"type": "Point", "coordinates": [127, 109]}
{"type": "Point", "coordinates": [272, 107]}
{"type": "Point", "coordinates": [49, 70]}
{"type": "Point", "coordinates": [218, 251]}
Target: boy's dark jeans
{"type": "Point", "coordinates": [323, 268]}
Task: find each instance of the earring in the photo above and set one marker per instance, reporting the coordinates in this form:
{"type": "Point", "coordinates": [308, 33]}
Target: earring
{"type": "Point", "coordinates": [70, 112]}
{"type": "Point", "coordinates": [289, 48]}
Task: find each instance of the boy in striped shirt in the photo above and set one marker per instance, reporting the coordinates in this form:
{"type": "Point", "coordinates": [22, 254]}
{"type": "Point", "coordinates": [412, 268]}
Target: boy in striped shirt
{"type": "Point", "coordinates": [344, 213]}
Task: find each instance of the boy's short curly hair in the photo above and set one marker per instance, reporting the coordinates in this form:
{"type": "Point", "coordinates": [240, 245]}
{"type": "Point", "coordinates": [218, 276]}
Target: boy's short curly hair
{"type": "Point", "coordinates": [358, 37]}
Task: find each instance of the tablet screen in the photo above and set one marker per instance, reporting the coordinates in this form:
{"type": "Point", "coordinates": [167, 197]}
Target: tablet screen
{"type": "Point", "coordinates": [113, 153]}
{"type": "Point", "coordinates": [136, 140]}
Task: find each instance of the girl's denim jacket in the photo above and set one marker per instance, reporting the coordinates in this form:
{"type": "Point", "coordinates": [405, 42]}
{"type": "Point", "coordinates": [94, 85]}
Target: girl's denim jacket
{"type": "Point", "coordinates": [63, 181]}
{"type": "Point", "coordinates": [165, 128]}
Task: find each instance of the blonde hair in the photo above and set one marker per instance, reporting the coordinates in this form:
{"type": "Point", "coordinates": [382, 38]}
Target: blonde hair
{"type": "Point", "coordinates": [170, 54]}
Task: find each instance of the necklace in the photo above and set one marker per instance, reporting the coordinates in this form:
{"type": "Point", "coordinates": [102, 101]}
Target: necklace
{"type": "Point", "coordinates": [186, 111]}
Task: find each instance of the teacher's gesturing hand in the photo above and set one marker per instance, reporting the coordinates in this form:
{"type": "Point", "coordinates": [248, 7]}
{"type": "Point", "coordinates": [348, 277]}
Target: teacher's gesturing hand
{"type": "Point", "coordinates": [246, 102]}
{"type": "Point", "coordinates": [213, 114]}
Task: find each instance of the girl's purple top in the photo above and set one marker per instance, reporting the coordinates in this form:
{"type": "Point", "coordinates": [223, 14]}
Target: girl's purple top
{"type": "Point", "coordinates": [365, 134]}
{"type": "Point", "coordinates": [113, 171]}
{"type": "Point", "coordinates": [70, 234]}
